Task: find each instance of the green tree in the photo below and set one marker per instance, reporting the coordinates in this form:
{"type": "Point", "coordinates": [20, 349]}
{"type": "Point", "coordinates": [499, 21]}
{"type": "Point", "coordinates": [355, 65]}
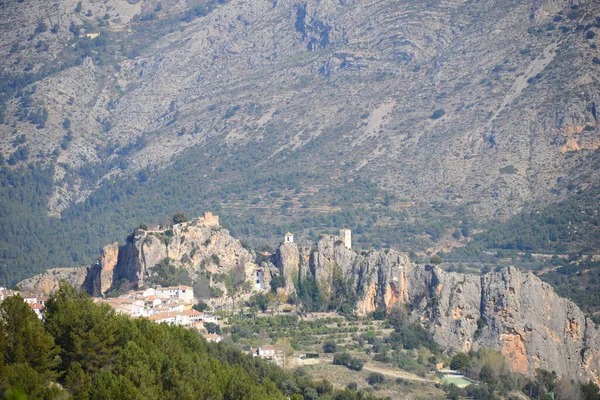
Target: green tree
{"type": "Point", "coordinates": [435, 259]}
{"type": "Point", "coordinates": [375, 378]}
{"type": "Point", "coordinates": [487, 376]}
{"type": "Point", "coordinates": [329, 346]}
{"type": "Point", "coordinates": [85, 332]}
{"type": "Point", "coordinates": [23, 338]}
{"type": "Point", "coordinates": [259, 300]}
{"type": "Point", "coordinates": [179, 217]}
{"type": "Point", "coordinates": [460, 362]}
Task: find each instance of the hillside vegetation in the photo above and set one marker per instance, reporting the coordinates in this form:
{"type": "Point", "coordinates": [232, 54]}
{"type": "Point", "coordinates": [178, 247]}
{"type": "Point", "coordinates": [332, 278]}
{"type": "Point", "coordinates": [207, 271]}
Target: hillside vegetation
{"type": "Point", "coordinates": [95, 354]}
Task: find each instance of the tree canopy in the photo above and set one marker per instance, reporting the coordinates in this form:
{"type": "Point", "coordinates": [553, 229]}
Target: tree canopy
{"type": "Point", "coordinates": [94, 353]}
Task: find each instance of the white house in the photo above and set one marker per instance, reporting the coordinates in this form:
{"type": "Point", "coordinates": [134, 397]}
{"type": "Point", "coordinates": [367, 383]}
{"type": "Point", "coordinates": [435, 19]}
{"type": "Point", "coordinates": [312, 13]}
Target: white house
{"type": "Point", "coordinates": [259, 279]}
{"type": "Point", "coordinates": [37, 308]}
{"type": "Point", "coordinates": [183, 292]}
{"type": "Point", "coordinates": [209, 318]}
{"type": "Point", "coordinates": [212, 337]}
{"type": "Point", "coordinates": [194, 316]}
{"type": "Point", "coordinates": [266, 351]}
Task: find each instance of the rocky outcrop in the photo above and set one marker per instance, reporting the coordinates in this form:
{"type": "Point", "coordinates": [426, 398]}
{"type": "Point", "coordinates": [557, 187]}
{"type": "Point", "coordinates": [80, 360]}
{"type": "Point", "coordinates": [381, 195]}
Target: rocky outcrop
{"type": "Point", "coordinates": [510, 311]}
{"type": "Point", "coordinates": [199, 246]}
{"type": "Point", "coordinates": [376, 278]}
{"type": "Point", "coordinates": [287, 260]}
{"type": "Point", "coordinates": [103, 272]}
{"type": "Point", "coordinates": [48, 281]}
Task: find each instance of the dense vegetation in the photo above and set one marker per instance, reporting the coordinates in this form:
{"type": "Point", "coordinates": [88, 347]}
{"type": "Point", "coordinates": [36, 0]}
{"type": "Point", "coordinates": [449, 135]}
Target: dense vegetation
{"type": "Point", "coordinates": [572, 225]}
{"type": "Point", "coordinates": [490, 369]}
{"type": "Point", "coordinates": [408, 346]}
{"type": "Point", "coordinates": [96, 354]}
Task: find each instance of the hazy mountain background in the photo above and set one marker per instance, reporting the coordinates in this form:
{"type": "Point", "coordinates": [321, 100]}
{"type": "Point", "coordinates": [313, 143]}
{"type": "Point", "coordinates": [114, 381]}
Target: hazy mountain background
{"type": "Point", "coordinates": [424, 126]}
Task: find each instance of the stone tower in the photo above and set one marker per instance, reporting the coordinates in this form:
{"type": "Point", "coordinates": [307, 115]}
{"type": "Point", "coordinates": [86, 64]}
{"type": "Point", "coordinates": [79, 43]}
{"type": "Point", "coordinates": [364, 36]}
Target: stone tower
{"type": "Point", "coordinates": [346, 237]}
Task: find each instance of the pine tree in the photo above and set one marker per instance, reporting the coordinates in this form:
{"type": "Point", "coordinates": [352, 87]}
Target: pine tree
{"type": "Point", "coordinates": [23, 338]}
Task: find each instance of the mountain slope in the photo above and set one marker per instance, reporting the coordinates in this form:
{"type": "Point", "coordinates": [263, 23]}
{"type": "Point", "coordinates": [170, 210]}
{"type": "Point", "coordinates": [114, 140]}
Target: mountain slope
{"type": "Point", "coordinates": [480, 108]}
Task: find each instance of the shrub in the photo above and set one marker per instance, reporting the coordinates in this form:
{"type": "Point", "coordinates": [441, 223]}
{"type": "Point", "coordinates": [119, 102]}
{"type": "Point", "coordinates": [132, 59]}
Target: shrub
{"type": "Point", "coordinates": [509, 169]}
{"type": "Point", "coordinates": [596, 60]}
{"type": "Point", "coordinates": [329, 347]}
{"type": "Point", "coordinates": [211, 327]}
{"type": "Point", "coordinates": [460, 362]}
{"type": "Point", "coordinates": [435, 260]}
{"type": "Point", "coordinates": [179, 217]}
{"type": "Point", "coordinates": [375, 378]}
{"type": "Point", "coordinates": [439, 113]}
{"type": "Point", "coordinates": [348, 361]}
{"type": "Point", "coordinates": [384, 358]}
{"type": "Point", "coordinates": [379, 314]}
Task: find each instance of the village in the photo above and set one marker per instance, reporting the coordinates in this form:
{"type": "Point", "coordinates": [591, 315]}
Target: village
{"type": "Point", "coordinates": [177, 305]}
{"type": "Point", "coordinates": [173, 305]}
{"type": "Point", "coordinates": [264, 323]}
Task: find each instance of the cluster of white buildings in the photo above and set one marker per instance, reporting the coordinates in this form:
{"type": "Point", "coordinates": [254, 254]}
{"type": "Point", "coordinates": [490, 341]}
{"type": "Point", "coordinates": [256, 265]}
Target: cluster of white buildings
{"type": "Point", "coordinates": [172, 305]}
{"type": "Point", "coordinates": [34, 300]}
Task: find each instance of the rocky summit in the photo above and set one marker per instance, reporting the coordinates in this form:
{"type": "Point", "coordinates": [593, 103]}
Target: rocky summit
{"type": "Point", "coordinates": [508, 310]}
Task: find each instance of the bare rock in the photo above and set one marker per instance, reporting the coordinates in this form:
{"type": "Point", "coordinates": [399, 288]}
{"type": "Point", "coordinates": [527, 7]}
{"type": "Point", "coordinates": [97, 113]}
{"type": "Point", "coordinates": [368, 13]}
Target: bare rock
{"type": "Point", "coordinates": [48, 281]}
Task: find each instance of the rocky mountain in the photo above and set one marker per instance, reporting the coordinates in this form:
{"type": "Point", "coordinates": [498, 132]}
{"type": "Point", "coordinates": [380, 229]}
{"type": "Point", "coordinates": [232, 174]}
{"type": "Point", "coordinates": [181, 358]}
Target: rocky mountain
{"type": "Point", "coordinates": [199, 248]}
{"type": "Point", "coordinates": [484, 105]}
{"type": "Point", "coordinates": [508, 310]}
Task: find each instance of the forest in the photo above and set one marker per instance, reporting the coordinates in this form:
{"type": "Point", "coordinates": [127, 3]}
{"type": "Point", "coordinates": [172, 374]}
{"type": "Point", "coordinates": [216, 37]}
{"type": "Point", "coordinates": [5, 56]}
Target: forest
{"type": "Point", "coordinates": [93, 353]}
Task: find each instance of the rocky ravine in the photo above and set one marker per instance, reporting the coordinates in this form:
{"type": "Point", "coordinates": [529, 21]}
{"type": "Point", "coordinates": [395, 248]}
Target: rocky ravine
{"type": "Point", "coordinates": [518, 314]}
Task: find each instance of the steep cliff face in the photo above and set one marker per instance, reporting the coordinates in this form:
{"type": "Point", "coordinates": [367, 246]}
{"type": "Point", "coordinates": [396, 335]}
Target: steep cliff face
{"type": "Point", "coordinates": [376, 278]}
{"type": "Point", "coordinates": [510, 311]}
{"type": "Point", "coordinates": [200, 246]}
{"type": "Point", "coordinates": [197, 246]}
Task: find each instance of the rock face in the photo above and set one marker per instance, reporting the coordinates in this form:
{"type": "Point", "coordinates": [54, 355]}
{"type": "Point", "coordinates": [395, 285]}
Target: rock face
{"type": "Point", "coordinates": [199, 246]}
{"type": "Point", "coordinates": [48, 281]}
{"type": "Point", "coordinates": [102, 273]}
{"type": "Point", "coordinates": [376, 278]}
{"type": "Point", "coordinates": [510, 311]}
{"type": "Point", "coordinates": [477, 96]}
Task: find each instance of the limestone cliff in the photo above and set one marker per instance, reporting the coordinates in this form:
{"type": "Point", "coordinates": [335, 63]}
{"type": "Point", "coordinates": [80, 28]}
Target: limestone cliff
{"type": "Point", "coordinates": [510, 311]}
{"type": "Point", "coordinates": [199, 246]}
{"type": "Point", "coordinates": [376, 277]}
{"type": "Point", "coordinates": [48, 281]}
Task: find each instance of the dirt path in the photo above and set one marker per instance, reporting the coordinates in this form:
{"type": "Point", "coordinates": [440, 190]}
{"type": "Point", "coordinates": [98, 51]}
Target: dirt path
{"type": "Point", "coordinates": [398, 374]}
